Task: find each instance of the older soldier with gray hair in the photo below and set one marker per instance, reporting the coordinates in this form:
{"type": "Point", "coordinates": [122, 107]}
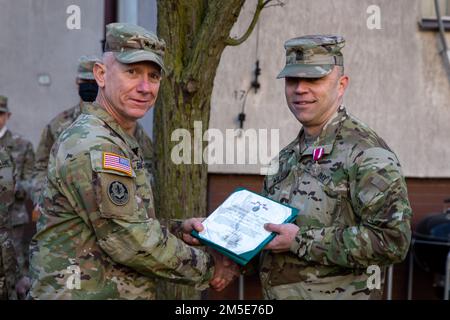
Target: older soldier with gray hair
{"type": "Point", "coordinates": [354, 209]}
{"type": "Point", "coordinates": [98, 235]}
{"type": "Point", "coordinates": [87, 90]}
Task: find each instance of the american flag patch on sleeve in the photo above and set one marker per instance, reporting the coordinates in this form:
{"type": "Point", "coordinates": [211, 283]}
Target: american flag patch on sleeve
{"type": "Point", "coordinates": [115, 162]}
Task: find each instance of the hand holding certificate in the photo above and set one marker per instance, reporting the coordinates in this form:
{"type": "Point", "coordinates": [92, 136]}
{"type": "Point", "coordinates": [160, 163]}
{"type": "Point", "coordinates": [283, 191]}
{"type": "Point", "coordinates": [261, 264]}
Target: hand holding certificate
{"type": "Point", "coordinates": [236, 228]}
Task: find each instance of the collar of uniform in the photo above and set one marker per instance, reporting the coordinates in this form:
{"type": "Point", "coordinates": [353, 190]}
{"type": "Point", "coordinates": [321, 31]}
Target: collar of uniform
{"type": "Point", "coordinates": [77, 110]}
{"type": "Point", "coordinates": [96, 110]}
{"type": "Point", "coordinates": [139, 132]}
{"type": "Point", "coordinates": [327, 137]}
{"type": "Point", "coordinates": [81, 106]}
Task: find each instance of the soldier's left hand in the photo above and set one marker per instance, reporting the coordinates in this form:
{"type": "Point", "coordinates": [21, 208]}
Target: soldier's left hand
{"type": "Point", "coordinates": [286, 234]}
{"type": "Point", "coordinates": [188, 226]}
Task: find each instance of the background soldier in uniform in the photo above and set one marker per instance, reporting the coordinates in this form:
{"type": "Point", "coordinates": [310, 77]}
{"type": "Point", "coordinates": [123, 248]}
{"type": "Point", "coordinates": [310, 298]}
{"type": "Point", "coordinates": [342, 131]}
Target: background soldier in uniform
{"type": "Point", "coordinates": [22, 153]}
{"type": "Point", "coordinates": [97, 208]}
{"type": "Point", "coordinates": [9, 268]}
{"type": "Point", "coordinates": [347, 183]}
{"type": "Point", "coordinates": [87, 90]}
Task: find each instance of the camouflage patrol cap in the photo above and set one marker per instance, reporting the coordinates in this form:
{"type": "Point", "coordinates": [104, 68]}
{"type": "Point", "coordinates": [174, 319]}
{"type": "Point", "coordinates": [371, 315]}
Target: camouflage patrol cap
{"type": "Point", "coordinates": [131, 43]}
{"type": "Point", "coordinates": [85, 67]}
{"type": "Point", "coordinates": [312, 56]}
{"type": "Point", "coordinates": [4, 104]}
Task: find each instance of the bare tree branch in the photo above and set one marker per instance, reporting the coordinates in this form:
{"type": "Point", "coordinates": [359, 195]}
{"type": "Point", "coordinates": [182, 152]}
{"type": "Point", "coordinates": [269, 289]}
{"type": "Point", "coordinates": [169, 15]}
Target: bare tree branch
{"type": "Point", "coordinates": [260, 6]}
{"type": "Point", "coordinates": [278, 4]}
{"type": "Point", "coordinates": [209, 41]}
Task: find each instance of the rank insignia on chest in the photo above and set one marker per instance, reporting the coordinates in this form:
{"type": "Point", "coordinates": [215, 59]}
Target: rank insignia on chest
{"type": "Point", "coordinates": [115, 162]}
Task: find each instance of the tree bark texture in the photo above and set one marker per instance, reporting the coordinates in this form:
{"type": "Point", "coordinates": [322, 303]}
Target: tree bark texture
{"type": "Point", "coordinates": [196, 32]}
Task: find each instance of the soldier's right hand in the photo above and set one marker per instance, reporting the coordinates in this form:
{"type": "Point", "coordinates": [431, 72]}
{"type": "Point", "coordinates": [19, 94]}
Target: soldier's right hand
{"type": "Point", "coordinates": [225, 271]}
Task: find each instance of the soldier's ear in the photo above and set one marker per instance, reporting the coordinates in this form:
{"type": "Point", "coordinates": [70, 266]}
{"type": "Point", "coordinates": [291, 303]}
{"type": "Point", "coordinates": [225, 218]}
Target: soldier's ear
{"type": "Point", "coordinates": [99, 74]}
{"type": "Point", "coordinates": [343, 84]}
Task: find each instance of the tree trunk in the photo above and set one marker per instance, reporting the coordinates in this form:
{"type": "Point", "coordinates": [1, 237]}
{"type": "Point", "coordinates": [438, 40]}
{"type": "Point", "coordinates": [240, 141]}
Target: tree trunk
{"type": "Point", "coordinates": [196, 33]}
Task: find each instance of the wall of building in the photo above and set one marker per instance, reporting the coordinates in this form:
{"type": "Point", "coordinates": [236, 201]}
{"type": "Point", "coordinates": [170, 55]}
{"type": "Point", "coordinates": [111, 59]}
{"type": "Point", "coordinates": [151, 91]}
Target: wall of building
{"type": "Point", "coordinates": [397, 82]}
{"type": "Point", "coordinates": [35, 40]}
{"type": "Point", "coordinates": [142, 13]}
{"type": "Point", "coordinates": [398, 85]}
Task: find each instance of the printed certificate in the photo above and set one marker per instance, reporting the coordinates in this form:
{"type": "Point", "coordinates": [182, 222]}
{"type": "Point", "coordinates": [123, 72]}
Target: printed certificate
{"type": "Point", "coordinates": [236, 227]}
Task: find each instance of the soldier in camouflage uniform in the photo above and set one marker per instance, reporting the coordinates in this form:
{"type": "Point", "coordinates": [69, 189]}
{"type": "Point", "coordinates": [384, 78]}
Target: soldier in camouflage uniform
{"type": "Point", "coordinates": [9, 268]}
{"type": "Point", "coordinates": [98, 236]}
{"type": "Point", "coordinates": [347, 183]}
{"type": "Point", "coordinates": [85, 82]}
{"type": "Point", "coordinates": [22, 154]}
{"type": "Point", "coordinates": [87, 89]}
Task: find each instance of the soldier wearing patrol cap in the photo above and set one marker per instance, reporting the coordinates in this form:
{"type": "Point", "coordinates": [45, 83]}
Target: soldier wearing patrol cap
{"type": "Point", "coordinates": [347, 183]}
{"type": "Point", "coordinates": [22, 153]}
{"type": "Point", "coordinates": [10, 285]}
{"type": "Point", "coordinates": [87, 89]}
{"type": "Point", "coordinates": [98, 234]}
{"type": "Point", "coordinates": [9, 269]}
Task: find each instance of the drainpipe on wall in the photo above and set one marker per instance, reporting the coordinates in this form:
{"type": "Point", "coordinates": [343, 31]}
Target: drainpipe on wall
{"type": "Point", "coordinates": [128, 11]}
{"type": "Point", "coordinates": [443, 48]}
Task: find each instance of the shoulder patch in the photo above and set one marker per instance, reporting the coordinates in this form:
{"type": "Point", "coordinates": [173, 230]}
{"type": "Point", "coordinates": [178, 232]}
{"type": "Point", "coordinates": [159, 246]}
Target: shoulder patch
{"type": "Point", "coordinates": [118, 193]}
{"type": "Point", "coordinates": [380, 182]}
{"type": "Point", "coordinates": [112, 161]}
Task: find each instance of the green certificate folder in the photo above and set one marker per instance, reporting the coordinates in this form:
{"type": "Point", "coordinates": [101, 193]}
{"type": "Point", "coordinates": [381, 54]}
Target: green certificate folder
{"type": "Point", "coordinates": [236, 227]}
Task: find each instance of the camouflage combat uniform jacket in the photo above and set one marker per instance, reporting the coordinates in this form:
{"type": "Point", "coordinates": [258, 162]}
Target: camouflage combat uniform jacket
{"type": "Point", "coordinates": [9, 269]}
{"type": "Point", "coordinates": [98, 223]}
{"type": "Point", "coordinates": [22, 152]}
{"type": "Point", "coordinates": [51, 133]}
{"type": "Point", "coordinates": [354, 213]}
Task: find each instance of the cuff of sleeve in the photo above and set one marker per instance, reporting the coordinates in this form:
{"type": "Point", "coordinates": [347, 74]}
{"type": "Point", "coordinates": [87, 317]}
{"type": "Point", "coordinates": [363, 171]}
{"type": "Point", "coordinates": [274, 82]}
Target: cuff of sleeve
{"type": "Point", "coordinates": [300, 243]}
{"type": "Point", "coordinates": [308, 244]}
{"type": "Point", "coordinates": [175, 227]}
{"type": "Point", "coordinates": [209, 273]}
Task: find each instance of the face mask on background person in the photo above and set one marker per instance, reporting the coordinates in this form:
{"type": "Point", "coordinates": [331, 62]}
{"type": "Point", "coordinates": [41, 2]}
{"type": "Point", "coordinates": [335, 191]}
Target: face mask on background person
{"type": "Point", "coordinates": [88, 91]}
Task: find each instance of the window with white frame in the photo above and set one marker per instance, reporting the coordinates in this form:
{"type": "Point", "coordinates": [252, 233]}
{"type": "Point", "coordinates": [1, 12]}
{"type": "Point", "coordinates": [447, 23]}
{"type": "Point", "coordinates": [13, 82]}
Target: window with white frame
{"type": "Point", "coordinates": [428, 14]}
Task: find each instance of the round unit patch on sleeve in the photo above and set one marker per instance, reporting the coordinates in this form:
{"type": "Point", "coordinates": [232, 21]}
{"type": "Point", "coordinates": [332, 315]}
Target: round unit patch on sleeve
{"type": "Point", "coordinates": [118, 193]}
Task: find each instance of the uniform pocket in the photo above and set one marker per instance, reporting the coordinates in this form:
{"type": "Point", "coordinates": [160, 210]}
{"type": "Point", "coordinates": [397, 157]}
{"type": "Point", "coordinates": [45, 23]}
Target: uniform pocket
{"type": "Point", "coordinates": [320, 202]}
